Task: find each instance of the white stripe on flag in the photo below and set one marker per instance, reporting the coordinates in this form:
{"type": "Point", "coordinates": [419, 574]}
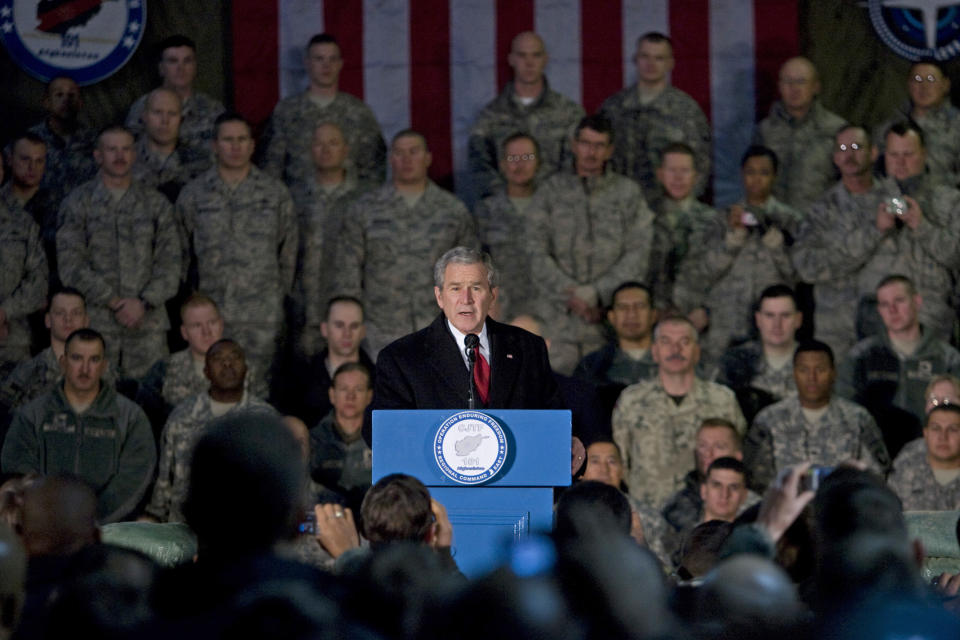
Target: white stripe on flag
{"type": "Point", "coordinates": [558, 23]}
{"type": "Point", "coordinates": [473, 77]}
{"type": "Point", "coordinates": [639, 17]}
{"type": "Point", "coordinates": [299, 21]}
{"type": "Point", "coordinates": [732, 64]}
{"type": "Point", "coordinates": [386, 55]}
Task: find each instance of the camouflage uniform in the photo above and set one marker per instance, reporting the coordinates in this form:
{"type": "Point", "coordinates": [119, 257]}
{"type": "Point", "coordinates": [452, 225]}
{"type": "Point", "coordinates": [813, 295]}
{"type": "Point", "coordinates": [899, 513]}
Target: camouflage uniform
{"type": "Point", "coordinates": [642, 131]}
{"type": "Point", "coordinates": [387, 253]}
{"type": "Point", "coordinates": [929, 256]}
{"type": "Point", "coordinates": [745, 369]}
{"type": "Point", "coordinates": [109, 446]}
{"type": "Point", "coordinates": [726, 270]}
{"type": "Point", "coordinates": [684, 510]}
{"type": "Point", "coordinates": [183, 429]}
{"type": "Point", "coordinates": [781, 436]}
{"type": "Point", "coordinates": [674, 224]}
{"type": "Point", "coordinates": [23, 281]}
{"type": "Point", "coordinates": [892, 386]}
{"type": "Point", "coordinates": [42, 208]}
{"type": "Point", "coordinates": [835, 239]}
{"type": "Point", "coordinates": [244, 239]}
{"type": "Point", "coordinates": [592, 232]}
{"type": "Point", "coordinates": [320, 215]}
{"type": "Point", "coordinates": [550, 119]}
{"type": "Point", "coordinates": [656, 435]}
{"type": "Point", "coordinates": [198, 114]}
{"type": "Point", "coordinates": [168, 174]}
{"type": "Point", "coordinates": [341, 465]}
{"type": "Point", "coordinates": [30, 379]}
{"type": "Point", "coordinates": [655, 529]}
{"type": "Point", "coordinates": [127, 248]}
{"type": "Point", "coordinates": [70, 160]}
{"type": "Point", "coordinates": [804, 148]}
{"type": "Point", "coordinates": [941, 136]}
{"type": "Point", "coordinates": [289, 136]}
{"type": "Point", "coordinates": [175, 378]}
{"type": "Point", "coordinates": [503, 235]}
{"type": "Point", "coordinates": [912, 479]}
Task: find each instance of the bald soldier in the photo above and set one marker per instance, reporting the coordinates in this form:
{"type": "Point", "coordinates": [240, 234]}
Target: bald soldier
{"type": "Point", "coordinates": [800, 131]}
{"type": "Point", "coordinates": [163, 161]}
{"type": "Point", "coordinates": [526, 104]}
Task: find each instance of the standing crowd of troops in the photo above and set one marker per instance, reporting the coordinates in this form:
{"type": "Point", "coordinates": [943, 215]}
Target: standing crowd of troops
{"type": "Point", "coordinates": [811, 321]}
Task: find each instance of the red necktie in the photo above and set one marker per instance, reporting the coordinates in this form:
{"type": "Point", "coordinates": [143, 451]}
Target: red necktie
{"type": "Point", "coordinates": [481, 377]}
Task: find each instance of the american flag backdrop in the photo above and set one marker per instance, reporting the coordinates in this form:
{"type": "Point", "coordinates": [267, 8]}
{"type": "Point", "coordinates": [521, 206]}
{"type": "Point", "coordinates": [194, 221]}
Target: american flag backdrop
{"type": "Point", "coordinates": [433, 64]}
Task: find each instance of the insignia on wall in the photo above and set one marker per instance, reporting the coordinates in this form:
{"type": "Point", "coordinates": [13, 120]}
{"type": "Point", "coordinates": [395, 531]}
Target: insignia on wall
{"type": "Point", "coordinates": [86, 40]}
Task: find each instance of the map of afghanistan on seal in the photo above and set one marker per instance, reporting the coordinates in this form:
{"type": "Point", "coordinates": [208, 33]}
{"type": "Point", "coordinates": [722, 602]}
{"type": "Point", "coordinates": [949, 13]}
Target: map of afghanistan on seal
{"type": "Point", "coordinates": [86, 40]}
{"type": "Point", "coordinates": [470, 447]}
{"type": "Point", "coordinates": [918, 29]}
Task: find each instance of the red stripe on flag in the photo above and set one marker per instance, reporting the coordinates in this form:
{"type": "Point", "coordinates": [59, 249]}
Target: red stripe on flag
{"type": "Point", "coordinates": [344, 20]}
{"type": "Point", "coordinates": [601, 50]}
{"type": "Point", "coordinates": [430, 111]}
{"type": "Point", "coordinates": [690, 32]}
{"type": "Point", "coordinates": [255, 43]}
{"type": "Point", "coordinates": [513, 17]}
{"type": "Point", "coordinates": [777, 38]}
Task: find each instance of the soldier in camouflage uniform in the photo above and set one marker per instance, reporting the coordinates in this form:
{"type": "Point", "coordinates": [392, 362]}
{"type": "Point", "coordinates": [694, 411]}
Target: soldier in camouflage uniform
{"type": "Point", "coordinates": [655, 421]}
{"type": "Point", "coordinates": [926, 474]}
{"type": "Point", "coordinates": [27, 156]}
{"type": "Point", "coordinates": [650, 114]}
{"type": "Point", "coordinates": [163, 163]}
{"type": "Point", "coordinates": [288, 137]}
{"type": "Point", "coordinates": [761, 371]}
{"type": "Point", "coordinates": [243, 234]}
{"type": "Point", "coordinates": [813, 426]}
{"type": "Point", "coordinates": [180, 375]}
{"type": "Point", "coordinates": [119, 245]}
{"type": "Point", "coordinates": [735, 257]}
{"type": "Point", "coordinates": [920, 242]}
{"type": "Point", "coordinates": [626, 359]}
{"type": "Point", "coordinates": [69, 144]}
{"type": "Point", "coordinates": [502, 226]}
{"type": "Point", "coordinates": [177, 67]}
{"type": "Point", "coordinates": [526, 104]}
{"type": "Point", "coordinates": [321, 202]}
{"type": "Point", "coordinates": [838, 235]}
{"type": "Point", "coordinates": [678, 217]}
{"type": "Point", "coordinates": [392, 237]}
{"type": "Point", "coordinates": [801, 131]}
{"type": "Point", "coordinates": [716, 438]}
{"type": "Point", "coordinates": [66, 312]}
{"type": "Point", "coordinates": [23, 282]}
{"type": "Point", "coordinates": [929, 107]}
{"type": "Point", "coordinates": [590, 231]}
{"type": "Point", "coordinates": [226, 371]}
{"type": "Point", "coordinates": [888, 372]}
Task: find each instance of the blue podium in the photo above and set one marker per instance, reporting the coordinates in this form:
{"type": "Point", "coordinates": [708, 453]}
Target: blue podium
{"type": "Point", "coordinates": [494, 471]}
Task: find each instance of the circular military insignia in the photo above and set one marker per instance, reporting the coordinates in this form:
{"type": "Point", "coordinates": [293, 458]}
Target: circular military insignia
{"type": "Point", "coordinates": [917, 29]}
{"type": "Point", "coordinates": [470, 447]}
{"type": "Point", "coordinates": [86, 40]}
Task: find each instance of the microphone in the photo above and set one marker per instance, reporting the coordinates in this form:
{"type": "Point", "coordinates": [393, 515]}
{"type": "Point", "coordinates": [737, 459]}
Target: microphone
{"type": "Point", "coordinates": [472, 342]}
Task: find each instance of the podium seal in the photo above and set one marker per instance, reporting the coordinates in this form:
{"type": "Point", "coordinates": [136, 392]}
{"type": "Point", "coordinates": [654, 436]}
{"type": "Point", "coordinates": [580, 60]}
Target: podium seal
{"type": "Point", "coordinates": [470, 447]}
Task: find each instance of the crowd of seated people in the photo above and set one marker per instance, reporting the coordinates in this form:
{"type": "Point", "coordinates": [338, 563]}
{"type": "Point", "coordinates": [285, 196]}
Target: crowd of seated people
{"type": "Point", "coordinates": [191, 319]}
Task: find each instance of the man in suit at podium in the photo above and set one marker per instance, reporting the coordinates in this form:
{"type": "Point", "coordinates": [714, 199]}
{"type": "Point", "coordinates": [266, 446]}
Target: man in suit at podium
{"type": "Point", "coordinates": [430, 369]}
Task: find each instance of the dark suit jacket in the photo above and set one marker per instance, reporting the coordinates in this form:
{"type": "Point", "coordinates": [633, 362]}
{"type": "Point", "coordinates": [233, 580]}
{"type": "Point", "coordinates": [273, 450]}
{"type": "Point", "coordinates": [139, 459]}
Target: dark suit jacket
{"type": "Point", "coordinates": [425, 370]}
